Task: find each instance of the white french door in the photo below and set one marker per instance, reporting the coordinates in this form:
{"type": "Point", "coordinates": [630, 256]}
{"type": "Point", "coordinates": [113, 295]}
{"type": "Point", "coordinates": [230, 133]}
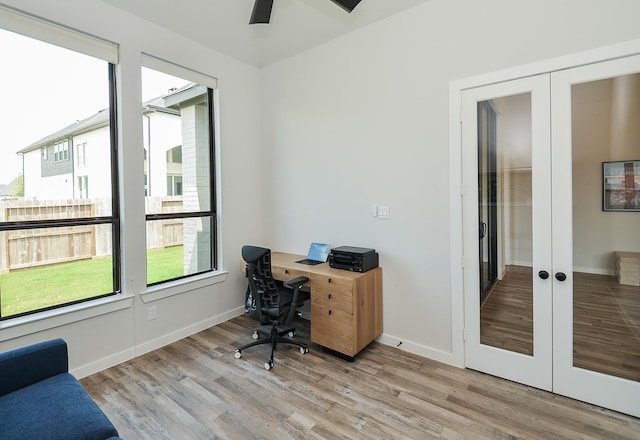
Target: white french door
{"type": "Point", "coordinates": [596, 337]}
{"type": "Point", "coordinates": [519, 346]}
{"type": "Point", "coordinates": [565, 191]}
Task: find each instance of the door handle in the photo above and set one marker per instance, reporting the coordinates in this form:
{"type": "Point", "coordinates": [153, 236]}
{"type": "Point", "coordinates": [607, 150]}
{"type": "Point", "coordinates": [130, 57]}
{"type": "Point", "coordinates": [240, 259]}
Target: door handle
{"type": "Point", "coordinates": [560, 276]}
{"type": "Point", "coordinates": [483, 230]}
{"type": "Point", "coordinates": [543, 274]}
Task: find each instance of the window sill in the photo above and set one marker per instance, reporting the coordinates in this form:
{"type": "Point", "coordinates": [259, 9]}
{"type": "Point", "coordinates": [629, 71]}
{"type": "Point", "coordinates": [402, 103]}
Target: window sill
{"type": "Point", "coordinates": [171, 288]}
{"type": "Point", "coordinates": [42, 321]}
{"type": "Point", "coordinates": [37, 322]}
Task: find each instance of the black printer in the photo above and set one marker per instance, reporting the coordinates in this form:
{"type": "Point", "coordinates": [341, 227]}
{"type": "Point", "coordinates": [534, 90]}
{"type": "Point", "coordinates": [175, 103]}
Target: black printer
{"type": "Point", "coordinates": [355, 259]}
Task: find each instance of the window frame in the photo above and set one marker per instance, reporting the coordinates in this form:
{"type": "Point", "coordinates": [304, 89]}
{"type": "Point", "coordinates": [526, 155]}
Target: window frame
{"type": "Point", "coordinates": [81, 155]}
{"type": "Point", "coordinates": [61, 150]}
{"type": "Point", "coordinates": [212, 212]}
{"type": "Point", "coordinates": [113, 219]}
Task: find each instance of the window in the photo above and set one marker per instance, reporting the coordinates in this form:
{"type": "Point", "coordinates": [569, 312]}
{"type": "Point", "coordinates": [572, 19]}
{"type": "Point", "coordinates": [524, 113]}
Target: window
{"type": "Point", "coordinates": [81, 155]}
{"type": "Point", "coordinates": [174, 185]}
{"type": "Point", "coordinates": [180, 192]}
{"type": "Point", "coordinates": [174, 155]}
{"type": "Point", "coordinates": [58, 245]}
{"type": "Point", "coordinates": [83, 187]}
{"type": "Point", "coordinates": [61, 150]}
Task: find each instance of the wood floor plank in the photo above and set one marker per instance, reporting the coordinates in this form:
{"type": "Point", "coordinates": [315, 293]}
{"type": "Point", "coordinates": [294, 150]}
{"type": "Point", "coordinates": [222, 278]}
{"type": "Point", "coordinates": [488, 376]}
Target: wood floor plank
{"type": "Point", "coordinates": [196, 389]}
{"type": "Point", "coordinates": [606, 321]}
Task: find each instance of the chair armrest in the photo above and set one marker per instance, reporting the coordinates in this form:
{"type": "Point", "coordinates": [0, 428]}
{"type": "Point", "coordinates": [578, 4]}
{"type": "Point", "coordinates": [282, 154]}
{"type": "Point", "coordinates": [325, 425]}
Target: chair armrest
{"type": "Point", "coordinates": [296, 282]}
{"type": "Point", "coordinates": [25, 366]}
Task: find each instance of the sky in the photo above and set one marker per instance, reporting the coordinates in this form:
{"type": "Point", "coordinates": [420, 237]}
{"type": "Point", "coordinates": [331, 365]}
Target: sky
{"type": "Point", "coordinates": [44, 88]}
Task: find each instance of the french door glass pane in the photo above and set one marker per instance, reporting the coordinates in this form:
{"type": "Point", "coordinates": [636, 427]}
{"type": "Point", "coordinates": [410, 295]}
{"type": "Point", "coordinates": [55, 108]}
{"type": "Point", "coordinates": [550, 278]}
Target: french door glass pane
{"type": "Point", "coordinates": [505, 209]}
{"type": "Point", "coordinates": [606, 225]}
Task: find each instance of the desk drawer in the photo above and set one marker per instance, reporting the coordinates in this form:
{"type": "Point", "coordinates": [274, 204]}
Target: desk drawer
{"type": "Point", "coordinates": [334, 284]}
{"type": "Point", "coordinates": [330, 298]}
{"type": "Point", "coordinates": [282, 274]}
{"type": "Point", "coordinates": [333, 328]}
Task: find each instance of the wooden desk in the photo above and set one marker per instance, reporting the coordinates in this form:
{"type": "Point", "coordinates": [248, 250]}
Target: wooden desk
{"type": "Point", "coordinates": [346, 307]}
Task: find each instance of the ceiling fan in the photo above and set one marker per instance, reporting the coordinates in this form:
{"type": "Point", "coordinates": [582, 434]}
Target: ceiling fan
{"type": "Point", "coordinates": [262, 9]}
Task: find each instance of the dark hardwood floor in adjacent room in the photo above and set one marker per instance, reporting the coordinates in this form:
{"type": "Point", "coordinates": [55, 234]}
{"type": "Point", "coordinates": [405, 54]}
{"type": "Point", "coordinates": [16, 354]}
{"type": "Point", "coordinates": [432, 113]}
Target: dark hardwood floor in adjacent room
{"type": "Point", "coordinates": [506, 316]}
{"type": "Point", "coordinates": [606, 327]}
{"type": "Point", "coordinates": [196, 389]}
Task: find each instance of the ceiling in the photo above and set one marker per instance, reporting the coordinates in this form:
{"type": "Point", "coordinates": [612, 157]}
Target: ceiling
{"type": "Point", "coordinates": [296, 25]}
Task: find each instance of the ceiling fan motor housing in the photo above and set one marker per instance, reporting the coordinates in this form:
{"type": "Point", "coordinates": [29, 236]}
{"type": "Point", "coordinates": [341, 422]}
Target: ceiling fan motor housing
{"type": "Point", "coordinates": [262, 9]}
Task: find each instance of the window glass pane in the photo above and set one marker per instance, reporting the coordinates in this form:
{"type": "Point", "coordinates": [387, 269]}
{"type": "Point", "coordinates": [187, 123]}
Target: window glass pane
{"type": "Point", "coordinates": [178, 247]}
{"type": "Point", "coordinates": [59, 98]}
{"type": "Point", "coordinates": [176, 139]}
{"type": "Point", "coordinates": [48, 267]}
{"type": "Point", "coordinates": [55, 139]}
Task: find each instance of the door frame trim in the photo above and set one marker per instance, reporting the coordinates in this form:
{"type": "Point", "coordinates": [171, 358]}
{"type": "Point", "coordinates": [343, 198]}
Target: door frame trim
{"type": "Point", "coordinates": [458, 260]}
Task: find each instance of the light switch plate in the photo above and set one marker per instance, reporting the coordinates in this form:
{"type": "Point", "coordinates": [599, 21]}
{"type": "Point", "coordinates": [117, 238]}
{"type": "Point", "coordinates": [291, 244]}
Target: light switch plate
{"type": "Point", "coordinates": [383, 212]}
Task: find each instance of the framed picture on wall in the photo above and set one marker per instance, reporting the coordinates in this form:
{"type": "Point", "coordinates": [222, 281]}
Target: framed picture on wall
{"type": "Point", "coordinates": [621, 186]}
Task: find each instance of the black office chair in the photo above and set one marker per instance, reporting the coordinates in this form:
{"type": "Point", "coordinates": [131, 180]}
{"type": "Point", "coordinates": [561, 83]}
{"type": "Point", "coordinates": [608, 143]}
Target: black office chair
{"type": "Point", "coordinates": [271, 304]}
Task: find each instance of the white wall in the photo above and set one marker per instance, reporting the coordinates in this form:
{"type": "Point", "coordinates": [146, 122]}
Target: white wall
{"type": "Point", "coordinates": [97, 155]}
{"type": "Point", "coordinates": [600, 135]}
{"type": "Point", "coordinates": [36, 186]}
{"type": "Point", "coordinates": [357, 121]}
{"type": "Point", "coordinates": [166, 133]}
{"type": "Point", "coordinates": [364, 119]}
{"type": "Point", "coordinates": [98, 342]}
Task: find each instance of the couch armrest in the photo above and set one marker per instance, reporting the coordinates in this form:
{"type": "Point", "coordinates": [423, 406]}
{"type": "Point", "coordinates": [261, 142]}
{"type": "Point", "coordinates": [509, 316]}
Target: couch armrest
{"type": "Point", "coordinates": [25, 366]}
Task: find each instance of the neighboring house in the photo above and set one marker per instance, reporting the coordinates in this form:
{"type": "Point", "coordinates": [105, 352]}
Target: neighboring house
{"type": "Point", "coordinates": [69, 164]}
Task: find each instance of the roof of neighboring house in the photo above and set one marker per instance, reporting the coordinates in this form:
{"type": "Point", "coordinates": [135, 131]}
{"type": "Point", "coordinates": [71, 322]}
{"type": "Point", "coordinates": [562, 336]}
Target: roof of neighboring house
{"type": "Point", "coordinates": [101, 119]}
{"type": "Point", "coordinates": [93, 122]}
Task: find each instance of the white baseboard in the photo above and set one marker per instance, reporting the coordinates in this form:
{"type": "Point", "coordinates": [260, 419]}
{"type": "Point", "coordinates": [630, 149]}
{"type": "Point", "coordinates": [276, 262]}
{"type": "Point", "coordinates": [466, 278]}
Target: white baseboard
{"type": "Point", "coordinates": [140, 349]}
{"type": "Point", "coordinates": [595, 270]}
{"type": "Point", "coordinates": [421, 350]}
{"type": "Point", "coordinates": [103, 364]}
{"type": "Point", "coordinates": [182, 333]}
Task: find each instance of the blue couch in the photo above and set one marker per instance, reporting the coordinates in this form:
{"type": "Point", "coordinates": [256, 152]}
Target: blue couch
{"type": "Point", "coordinates": [39, 399]}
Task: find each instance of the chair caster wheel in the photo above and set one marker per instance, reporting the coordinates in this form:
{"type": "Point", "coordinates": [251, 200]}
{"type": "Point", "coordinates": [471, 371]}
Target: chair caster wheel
{"type": "Point", "coordinates": [255, 335]}
{"type": "Point", "coordinates": [292, 334]}
{"type": "Point", "coordinates": [268, 365]}
{"type": "Point", "coordinates": [304, 350]}
{"type": "Point", "coordinates": [237, 354]}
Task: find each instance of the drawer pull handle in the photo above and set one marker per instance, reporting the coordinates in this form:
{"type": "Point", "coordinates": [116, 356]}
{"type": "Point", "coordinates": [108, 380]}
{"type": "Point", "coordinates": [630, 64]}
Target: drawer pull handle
{"type": "Point", "coordinates": [329, 312]}
{"type": "Point", "coordinates": [329, 280]}
{"type": "Point", "coordinates": [286, 271]}
{"type": "Point", "coordinates": [329, 296]}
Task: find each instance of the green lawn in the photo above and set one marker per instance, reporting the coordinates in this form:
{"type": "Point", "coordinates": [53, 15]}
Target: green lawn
{"type": "Point", "coordinates": [165, 264]}
{"type": "Point", "coordinates": [38, 288]}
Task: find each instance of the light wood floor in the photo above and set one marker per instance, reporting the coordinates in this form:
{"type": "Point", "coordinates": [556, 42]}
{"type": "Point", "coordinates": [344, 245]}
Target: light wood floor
{"type": "Point", "coordinates": [196, 389]}
{"type": "Point", "coordinates": [606, 325]}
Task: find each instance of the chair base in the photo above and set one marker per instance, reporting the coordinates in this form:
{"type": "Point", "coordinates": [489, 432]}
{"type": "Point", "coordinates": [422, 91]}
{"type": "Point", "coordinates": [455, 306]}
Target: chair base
{"type": "Point", "coordinates": [273, 335]}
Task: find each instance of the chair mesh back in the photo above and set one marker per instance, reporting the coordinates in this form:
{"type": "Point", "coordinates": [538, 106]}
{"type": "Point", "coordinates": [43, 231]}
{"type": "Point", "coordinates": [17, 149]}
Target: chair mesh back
{"type": "Point", "coordinates": [265, 294]}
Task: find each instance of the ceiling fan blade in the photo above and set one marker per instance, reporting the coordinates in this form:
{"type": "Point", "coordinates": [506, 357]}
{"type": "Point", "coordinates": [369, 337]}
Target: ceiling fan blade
{"type": "Point", "coordinates": [347, 5]}
{"type": "Point", "coordinates": [261, 11]}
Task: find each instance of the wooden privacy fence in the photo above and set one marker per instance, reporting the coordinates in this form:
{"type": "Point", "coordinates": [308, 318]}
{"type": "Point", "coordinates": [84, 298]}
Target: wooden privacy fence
{"type": "Point", "coordinates": [38, 247]}
{"type": "Point", "coordinates": [49, 246]}
{"type": "Point", "coordinates": [164, 233]}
